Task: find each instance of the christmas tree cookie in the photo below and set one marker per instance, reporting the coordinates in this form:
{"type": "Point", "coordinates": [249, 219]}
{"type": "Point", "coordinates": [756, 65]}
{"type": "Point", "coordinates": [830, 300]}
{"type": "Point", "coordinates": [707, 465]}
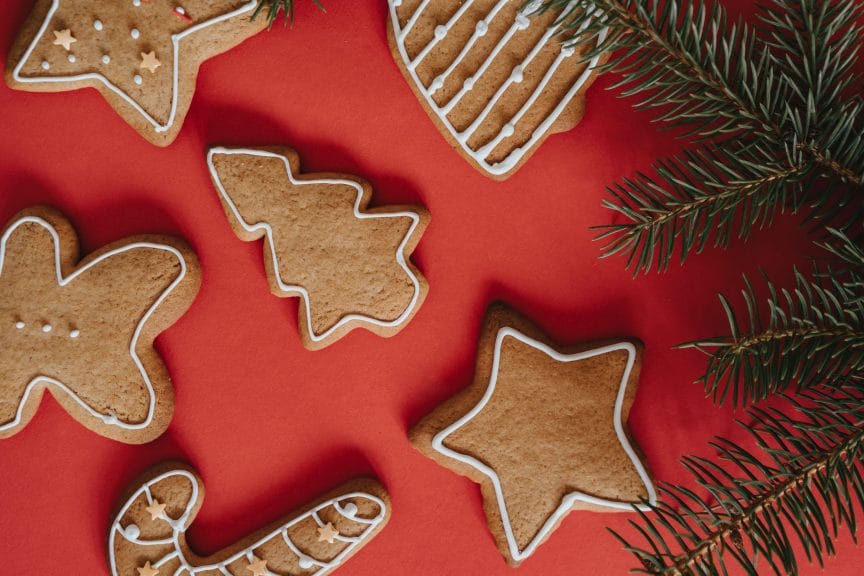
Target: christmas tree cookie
{"type": "Point", "coordinates": [350, 264]}
{"type": "Point", "coordinates": [542, 429]}
{"type": "Point", "coordinates": [148, 535]}
{"type": "Point", "coordinates": [142, 55]}
{"type": "Point", "coordinates": [84, 330]}
{"type": "Point", "coordinates": [492, 75]}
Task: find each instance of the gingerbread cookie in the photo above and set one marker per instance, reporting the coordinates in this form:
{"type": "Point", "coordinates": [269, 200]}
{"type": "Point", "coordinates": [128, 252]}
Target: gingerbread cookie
{"type": "Point", "coordinates": [492, 74]}
{"type": "Point", "coordinates": [350, 264]}
{"type": "Point", "coordinates": [85, 331]}
{"type": "Point", "coordinates": [142, 55]}
{"type": "Point", "coordinates": [148, 535]}
{"type": "Point", "coordinates": [542, 429]}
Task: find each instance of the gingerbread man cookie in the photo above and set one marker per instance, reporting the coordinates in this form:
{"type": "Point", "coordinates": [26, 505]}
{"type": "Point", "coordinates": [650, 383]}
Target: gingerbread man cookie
{"type": "Point", "coordinates": [542, 429]}
{"type": "Point", "coordinates": [84, 331]}
{"type": "Point", "coordinates": [492, 74]}
{"type": "Point", "coordinates": [148, 535]}
{"type": "Point", "coordinates": [142, 55]}
{"type": "Point", "coordinates": [350, 264]}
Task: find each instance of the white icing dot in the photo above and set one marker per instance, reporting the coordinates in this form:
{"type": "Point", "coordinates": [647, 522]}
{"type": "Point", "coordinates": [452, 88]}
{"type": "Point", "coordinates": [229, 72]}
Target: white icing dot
{"type": "Point", "coordinates": [135, 33]}
{"type": "Point", "coordinates": [97, 24]}
{"type": "Point", "coordinates": [106, 59]}
{"type": "Point", "coordinates": [132, 531]}
{"type": "Point", "coordinates": [109, 419]}
{"type": "Point", "coordinates": [71, 58]}
{"type": "Point", "coordinates": [20, 325]}
{"type": "Point", "coordinates": [136, 2]}
{"type": "Point", "coordinates": [75, 333]}
{"type": "Point", "coordinates": [568, 51]}
{"type": "Point", "coordinates": [440, 32]}
{"type": "Point", "coordinates": [45, 65]}
{"type": "Point", "coordinates": [305, 563]}
{"type": "Point", "coordinates": [138, 80]}
{"type": "Point", "coordinates": [469, 83]}
{"type": "Point", "coordinates": [517, 75]}
{"type": "Point", "coordinates": [522, 21]}
{"type": "Point", "coordinates": [482, 27]}
{"type": "Point", "coordinates": [508, 130]}
{"type": "Point", "coordinates": [350, 509]}
{"type": "Point", "coordinates": [47, 328]}
{"type": "Point", "coordinates": [437, 83]}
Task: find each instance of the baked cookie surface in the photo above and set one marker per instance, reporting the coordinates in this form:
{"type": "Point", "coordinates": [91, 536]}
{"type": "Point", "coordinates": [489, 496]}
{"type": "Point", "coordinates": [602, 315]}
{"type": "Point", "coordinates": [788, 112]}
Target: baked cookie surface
{"type": "Point", "coordinates": [142, 55]}
{"type": "Point", "coordinates": [492, 75]}
{"type": "Point", "coordinates": [542, 429]}
{"type": "Point", "coordinates": [350, 264]}
{"type": "Point", "coordinates": [84, 330]}
{"type": "Point", "coordinates": [148, 535]}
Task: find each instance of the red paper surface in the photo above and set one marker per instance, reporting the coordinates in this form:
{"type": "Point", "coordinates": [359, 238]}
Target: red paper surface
{"type": "Point", "coordinates": [270, 425]}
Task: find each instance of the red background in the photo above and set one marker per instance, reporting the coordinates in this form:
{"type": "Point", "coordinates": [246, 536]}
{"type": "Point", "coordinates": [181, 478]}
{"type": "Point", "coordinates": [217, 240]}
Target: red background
{"type": "Point", "coordinates": [270, 425]}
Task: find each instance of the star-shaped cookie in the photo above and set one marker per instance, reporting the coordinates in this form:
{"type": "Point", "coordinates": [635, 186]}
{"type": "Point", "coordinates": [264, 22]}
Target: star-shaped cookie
{"type": "Point", "coordinates": [356, 512]}
{"type": "Point", "coordinates": [142, 55]}
{"type": "Point", "coordinates": [542, 429]}
{"type": "Point", "coordinates": [350, 264]}
{"type": "Point", "coordinates": [84, 330]}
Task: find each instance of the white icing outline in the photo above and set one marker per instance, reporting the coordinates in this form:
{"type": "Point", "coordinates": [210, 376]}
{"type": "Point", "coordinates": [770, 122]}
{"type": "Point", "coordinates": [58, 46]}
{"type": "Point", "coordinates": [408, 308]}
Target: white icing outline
{"type": "Point", "coordinates": [175, 40]}
{"type": "Point", "coordinates": [108, 419]}
{"type": "Point", "coordinates": [179, 527]}
{"type": "Point", "coordinates": [569, 500]}
{"type": "Point", "coordinates": [268, 230]}
{"type": "Point", "coordinates": [479, 156]}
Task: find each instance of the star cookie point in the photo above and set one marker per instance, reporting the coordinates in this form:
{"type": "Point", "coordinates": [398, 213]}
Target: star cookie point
{"type": "Point", "coordinates": [541, 421]}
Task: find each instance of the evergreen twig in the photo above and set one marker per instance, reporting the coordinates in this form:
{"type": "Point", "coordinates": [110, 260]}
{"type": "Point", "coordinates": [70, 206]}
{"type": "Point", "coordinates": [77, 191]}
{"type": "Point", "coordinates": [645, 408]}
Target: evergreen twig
{"type": "Point", "coordinates": [275, 8]}
{"type": "Point", "coordinates": [807, 474]}
{"type": "Point", "coordinates": [725, 85]}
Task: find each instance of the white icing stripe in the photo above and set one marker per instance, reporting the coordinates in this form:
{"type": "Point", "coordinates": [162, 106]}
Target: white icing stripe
{"type": "Point", "coordinates": [108, 419]}
{"type": "Point", "coordinates": [175, 39]}
{"type": "Point", "coordinates": [414, 17]}
{"type": "Point", "coordinates": [512, 79]}
{"type": "Point", "coordinates": [436, 38]}
{"type": "Point", "coordinates": [180, 526]}
{"type": "Point", "coordinates": [442, 112]}
{"type": "Point", "coordinates": [268, 230]}
{"type": "Point", "coordinates": [480, 30]}
{"type": "Point", "coordinates": [572, 498]}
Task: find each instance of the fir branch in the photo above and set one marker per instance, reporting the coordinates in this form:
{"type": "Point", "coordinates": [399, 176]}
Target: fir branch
{"type": "Point", "coordinates": [275, 8]}
{"type": "Point", "coordinates": [692, 68]}
{"type": "Point", "coordinates": [803, 483]}
{"type": "Point", "coordinates": [814, 335]}
{"type": "Point", "coordinates": [699, 200]}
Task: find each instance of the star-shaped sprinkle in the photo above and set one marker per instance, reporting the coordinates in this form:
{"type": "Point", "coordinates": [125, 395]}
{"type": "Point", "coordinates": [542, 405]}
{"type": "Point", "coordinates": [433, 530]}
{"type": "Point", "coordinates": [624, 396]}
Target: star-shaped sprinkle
{"type": "Point", "coordinates": [542, 428]}
{"type": "Point", "coordinates": [350, 265]}
{"type": "Point", "coordinates": [156, 510]}
{"type": "Point", "coordinates": [147, 570]}
{"type": "Point", "coordinates": [150, 62]}
{"type": "Point", "coordinates": [327, 533]}
{"type": "Point", "coordinates": [64, 38]}
{"type": "Point", "coordinates": [258, 567]}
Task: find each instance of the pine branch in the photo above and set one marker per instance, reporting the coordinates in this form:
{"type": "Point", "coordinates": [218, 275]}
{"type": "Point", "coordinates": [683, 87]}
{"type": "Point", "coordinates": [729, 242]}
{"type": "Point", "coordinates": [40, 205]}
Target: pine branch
{"type": "Point", "coordinates": [814, 335]}
{"type": "Point", "coordinates": [725, 85]}
{"type": "Point", "coordinates": [802, 484]}
{"type": "Point", "coordinates": [275, 8]}
{"type": "Point", "coordinates": [699, 200]}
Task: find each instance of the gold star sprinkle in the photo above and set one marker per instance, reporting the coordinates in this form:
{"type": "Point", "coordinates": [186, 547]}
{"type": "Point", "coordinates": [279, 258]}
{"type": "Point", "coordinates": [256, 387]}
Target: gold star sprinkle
{"type": "Point", "coordinates": [150, 62]}
{"type": "Point", "coordinates": [327, 533]}
{"type": "Point", "coordinates": [156, 510]}
{"type": "Point", "coordinates": [147, 570]}
{"type": "Point", "coordinates": [64, 38]}
{"type": "Point", "coordinates": [258, 567]}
